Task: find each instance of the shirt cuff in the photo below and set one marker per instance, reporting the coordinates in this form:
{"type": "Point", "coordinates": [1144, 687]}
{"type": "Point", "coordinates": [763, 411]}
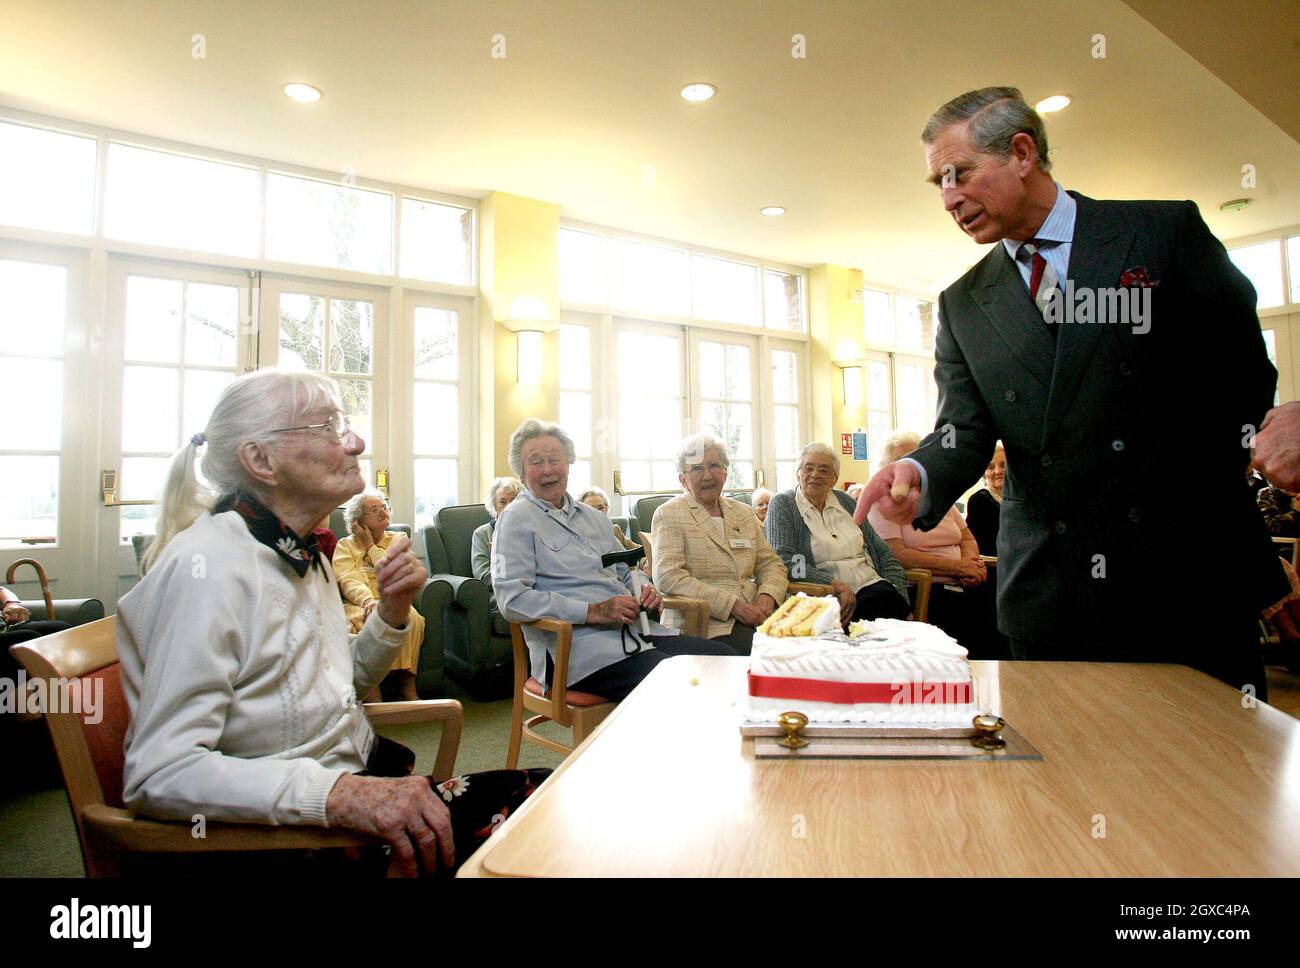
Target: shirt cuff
{"type": "Point", "coordinates": [923, 505]}
{"type": "Point", "coordinates": [317, 796]}
{"type": "Point", "coordinates": [386, 633]}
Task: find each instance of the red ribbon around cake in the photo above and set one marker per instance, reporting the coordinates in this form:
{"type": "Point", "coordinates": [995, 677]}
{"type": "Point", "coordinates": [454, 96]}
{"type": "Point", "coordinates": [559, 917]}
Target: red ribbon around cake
{"type": "Point", "coordinates": [819, 690]}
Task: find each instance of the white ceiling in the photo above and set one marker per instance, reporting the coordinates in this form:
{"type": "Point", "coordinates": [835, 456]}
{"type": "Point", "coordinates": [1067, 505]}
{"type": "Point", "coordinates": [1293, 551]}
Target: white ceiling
{"type": "Point", "coordinates": [586, 98]}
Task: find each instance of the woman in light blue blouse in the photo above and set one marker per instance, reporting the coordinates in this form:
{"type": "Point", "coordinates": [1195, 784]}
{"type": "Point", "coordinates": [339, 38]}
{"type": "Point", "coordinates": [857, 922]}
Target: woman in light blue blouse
{"type": "Point", "coordinates": [546, 562]}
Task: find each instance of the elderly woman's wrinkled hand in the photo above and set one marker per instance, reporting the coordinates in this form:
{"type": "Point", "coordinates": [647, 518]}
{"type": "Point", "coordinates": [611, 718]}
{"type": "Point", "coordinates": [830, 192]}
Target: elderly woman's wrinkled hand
{"type": "Point", "coordinates": [404, 812]}
{"type": "Point", "coordinates": [848, 600]}
{"type": "Point", "coordinates": [399, 578]}
{"type": "Point", "coordinates": [972, 571]}
{"type": "Point", "coordinates": [650, 597]}
{"type": "Point", "coordinates": [363, 538]}
{"type": "Point", "coordinates": [619, 610]}
{"type": "Point", "coordinates": [15, 613]}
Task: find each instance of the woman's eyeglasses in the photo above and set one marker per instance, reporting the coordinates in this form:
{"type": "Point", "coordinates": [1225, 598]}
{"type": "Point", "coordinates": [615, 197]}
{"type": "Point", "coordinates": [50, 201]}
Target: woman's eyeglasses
{"type": "Point", "coordinates": [337, 426]}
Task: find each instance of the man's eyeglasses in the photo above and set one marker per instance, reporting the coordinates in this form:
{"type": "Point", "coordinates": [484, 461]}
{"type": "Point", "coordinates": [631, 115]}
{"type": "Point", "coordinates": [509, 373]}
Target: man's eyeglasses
{"type": "Point", "coordinates": [337, 425]}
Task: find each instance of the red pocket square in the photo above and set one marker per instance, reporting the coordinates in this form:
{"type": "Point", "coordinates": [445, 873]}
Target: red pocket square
{"type": "Point", "coordinates": [1139, 278]}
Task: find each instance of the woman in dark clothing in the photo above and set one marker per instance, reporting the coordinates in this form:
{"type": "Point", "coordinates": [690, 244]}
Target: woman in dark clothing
{"type": "Point", "coordinates": [984, 508]}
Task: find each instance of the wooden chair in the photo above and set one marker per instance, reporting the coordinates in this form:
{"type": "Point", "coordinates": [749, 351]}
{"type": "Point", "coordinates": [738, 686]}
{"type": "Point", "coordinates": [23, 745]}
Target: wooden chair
{"type": "Point", "coordinates": [920, 577]}
{"type": "Point", "coordinates": [1288, 548]}
{"type": "Point", "coordinates": [91, 757]}
{"type": "Point", "coordinates": [581, 712]}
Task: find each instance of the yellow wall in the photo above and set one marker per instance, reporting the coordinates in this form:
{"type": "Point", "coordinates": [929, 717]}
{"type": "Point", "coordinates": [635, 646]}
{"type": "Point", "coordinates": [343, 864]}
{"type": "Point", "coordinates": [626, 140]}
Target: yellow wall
{"type": "Point", "coordinates": [519, 277]}
{"type": "Point", "coordinates": [835, 325]}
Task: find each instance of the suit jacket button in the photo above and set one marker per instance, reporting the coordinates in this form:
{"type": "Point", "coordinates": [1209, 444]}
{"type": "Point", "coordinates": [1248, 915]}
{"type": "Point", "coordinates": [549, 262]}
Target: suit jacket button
{"type": "Point", "coordinates": [1046, 460]}
{"type": "Point", "coordinates": [1134, 515]}
{"type": "Point", "coordinates": [1060, 527]}
{"type": "Point", "coordinates": [1117, 445]}
{"type": "Point", "coordinates": [1011, 396]}
{"type": "Point", "coordinates": [1125, 369]}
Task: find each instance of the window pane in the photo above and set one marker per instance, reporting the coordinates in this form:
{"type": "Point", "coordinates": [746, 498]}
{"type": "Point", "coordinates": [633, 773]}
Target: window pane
{"type": "Point", "coordinates": [879, 425]}
{"type": "Point", "coordinates": [739, 385]}
{"type": "Point", "coordinates": [575, 418]}
{"type": "Point", "coordinates": [785, 376]}
{"type": "Point", "coordinates": [33, 390]}
{"type": "Point", "coordinates": [352, 335]}
{"type": "Point", "coordinates": [202, 387]}
{"type": "Point", "coordinates": [580, 477]}
{"type": "Point", "coordinates": [435, 487]}
{"type": "Point", "coordinates": [1293, 258]}
{"type": "Point", "coordinates": [878, 386]}
{"type": "Point", "coordinates": [302, 331]}
{"type": "Point", "coordinates": [437, 242]}
{"type": "Point", "coordinates": [913, 323]}
{"type": "Point", "coordinates": [740, 475]}
{"type": "Point", "coordinates": [184, 203]}
{"type": "Point", "coordinates": [785, 475]}
{"type": "Point", "coordinates": [150, 396]}
{"type": "Point", "coordinates": [663, 474]}
{"type": "Point", "coordinates": [635, 474]}
{"type": "Point", "coordinates": [724, 371]}
{"type": "Point", "coordinates": [648, 278]}
{"type": "Point", "coordinates": [356, 405]}
{"type": "Point", "coordinates": [1262, 265]}
{"type": "Point", "coordinates": [725, 291]}
{"type": "Point", "coordinates": [153, 319]}
{"type": "Point", "coordinates": [649, 427]}
{"type": "Point", "coordinates": [642, 353]}
{"type": "Point", "coordinates": [142, 480]}
{"type": "Point", "coordinates": [879, 325]}
{"type": "Point", "coordinates": [47, 179]}
{"type": "Point", "coordinates": [29, 499]}
{"type": "Point", "coordinates": [211, 321]}
{"type": "Point", "coordinates": [435, 418]}
{"type": "Point", "coordinates": [435, 343]}
{"type": "Point", "coordinates": [786, 432]}
{"type": "Point", "coordinates": [32, 308]}
{"type": "Point", "coordinates": [712, 363]}
{"type": "Point", "coordinates": [580, 271]}
{"type": "Point", "coordinates": [575, 357]}
{"type": "Point", "coordinates": [783, 298]}
{"type": "Point", "coordinates": [321, 224]}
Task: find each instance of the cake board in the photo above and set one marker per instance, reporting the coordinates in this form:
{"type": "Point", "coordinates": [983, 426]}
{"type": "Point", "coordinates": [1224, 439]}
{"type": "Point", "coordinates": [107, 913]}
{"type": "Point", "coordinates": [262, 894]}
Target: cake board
{"type": "Point", "coordinates": [853, 741]}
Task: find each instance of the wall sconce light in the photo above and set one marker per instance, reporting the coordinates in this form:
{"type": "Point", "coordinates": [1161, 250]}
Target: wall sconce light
{"type": "Point", "coordinates": [852, 376]}
{"type": "Point", "coordinates": [529, 357]}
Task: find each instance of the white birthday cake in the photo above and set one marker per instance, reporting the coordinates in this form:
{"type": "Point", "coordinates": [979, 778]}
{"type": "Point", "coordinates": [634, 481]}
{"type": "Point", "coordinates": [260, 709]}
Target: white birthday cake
{"type": "Point", "coordinates": [883, 673]}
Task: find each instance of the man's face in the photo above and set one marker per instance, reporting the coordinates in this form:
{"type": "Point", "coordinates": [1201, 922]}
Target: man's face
{"type": "Point", "coordinates": [985, 194]}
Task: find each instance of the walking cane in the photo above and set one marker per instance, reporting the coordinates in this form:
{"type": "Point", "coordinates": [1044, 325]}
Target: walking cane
{"type": "Point", "coordinates": [630, 558]}
{"type": "Point", "coordinates": [40, 573]}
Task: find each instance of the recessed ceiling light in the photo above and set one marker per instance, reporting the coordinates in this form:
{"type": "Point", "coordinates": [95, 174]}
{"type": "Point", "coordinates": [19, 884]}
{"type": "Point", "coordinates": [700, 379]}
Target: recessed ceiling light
{"type": "Point", "coordinates": [1054, 103]}
{"type": "Point", "coordinates": [698, 92]}
{"type": "Point", "coordinates": [1236, 205]}
{"type": "Point", "coordinates": [772, 210]}
{"type": "Point", "coordinates": [302, 92]}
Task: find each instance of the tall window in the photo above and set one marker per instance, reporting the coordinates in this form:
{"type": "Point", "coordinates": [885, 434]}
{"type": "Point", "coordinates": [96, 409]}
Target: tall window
{"type": "Point", "coordinates": [651, 405]}
{"type": "Point", "coordinates": [32, 314]}
{"type": "Point", "coordinates": [1262, 264]}
{"type": "Point", "coordinates": [726, 404]}
{"type": "Point", "coordinates": [47, 179]}
{"type": "Point", "coordinates": [901, 392]}
{"type": "Point", "coordinates": [436, 422]}
{"type": "Point", "coordinates": [180, 351]}
{"type": "Point", "coordinates": [785, 413]}
{"type": "Point", "coordinates": [575, 401]}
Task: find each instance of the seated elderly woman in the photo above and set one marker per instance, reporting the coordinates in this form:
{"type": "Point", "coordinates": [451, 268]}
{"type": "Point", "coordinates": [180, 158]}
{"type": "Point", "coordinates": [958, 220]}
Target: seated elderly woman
{"type": "Point", "coordinates": [811, 527]}
{"type": "Point", "coordinates": [984, 509]}
{"type": "Point", "coordinates": [237, 668]}
{"type": "Point", "coordinates": [963, 601]}
{"type": "Point", "coordinates": [546, 563]}
{"type": "Point", "coordinates": [710, 547]}
{"type": "Point", "coordinates": [500, 494]}
{"type": "Point", "coordinates": [598, 499]}
{"type": "Point", "coordinates": [355, 559]}
{"type": "Point", "coordinates": [759, 501]}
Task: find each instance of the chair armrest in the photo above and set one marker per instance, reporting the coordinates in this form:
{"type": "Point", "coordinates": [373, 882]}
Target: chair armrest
{"type": "Point", "coordinates": [563, 645]}
{"type": "Point", "coordinates": [74, 611]}
{"type": "Point", "coordinates": [460, 585]}
{"type": "Point", "coordinates": [447, 711]}
{"type": "Point", "coordinates": [989, 559]}
{"type": "Point", "coordinates": [121, 830]}
{"type": "Point", "coordinates": [809, 588]}
{"type": "Point", "coordinates": [551, 625]}
{"type": "Point", "coordinates": [696, 611]}
{"type": "Point", "coordinates": [924, 579]}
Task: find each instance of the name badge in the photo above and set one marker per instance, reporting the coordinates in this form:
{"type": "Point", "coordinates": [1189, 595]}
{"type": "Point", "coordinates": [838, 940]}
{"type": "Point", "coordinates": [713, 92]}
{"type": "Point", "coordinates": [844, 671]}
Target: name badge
{"type": "Point", "coordinates": [741, 543]}
{"type": "Point", "coordinates": [363, 735]}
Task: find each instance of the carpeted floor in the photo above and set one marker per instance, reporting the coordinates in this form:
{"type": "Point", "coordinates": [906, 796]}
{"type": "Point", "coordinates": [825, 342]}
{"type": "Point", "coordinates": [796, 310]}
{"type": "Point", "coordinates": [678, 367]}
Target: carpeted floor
{"type": "Point", "coordinates": [38, 837]}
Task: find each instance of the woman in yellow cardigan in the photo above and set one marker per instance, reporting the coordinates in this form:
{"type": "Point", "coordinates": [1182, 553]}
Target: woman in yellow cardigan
{"type": "Point", "coordinates": [355, 559]}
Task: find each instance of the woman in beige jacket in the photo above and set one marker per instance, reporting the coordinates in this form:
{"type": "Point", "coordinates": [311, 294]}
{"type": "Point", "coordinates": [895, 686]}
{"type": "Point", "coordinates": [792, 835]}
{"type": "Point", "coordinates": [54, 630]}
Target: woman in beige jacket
{"type": "Point", "coordinates": [355, 559]}
{"type": "Point", "coordinates": [710, 547]}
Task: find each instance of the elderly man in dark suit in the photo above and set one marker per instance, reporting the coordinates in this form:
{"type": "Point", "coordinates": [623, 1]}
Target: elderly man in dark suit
{"type": "Point", "coordinates": [1115, 350]}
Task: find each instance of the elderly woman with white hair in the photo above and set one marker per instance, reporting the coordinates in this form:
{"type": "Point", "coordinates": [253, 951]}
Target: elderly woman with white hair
{"type": "Point", "coordinates": [502, 491]}
{"type": "Point", "coordinates": [710, 547]}
{"type": "Point", "coordinates": [237, 668]}
{"type": "Point", "coordinates": [597, 498]}
{"type": "Point", "coordinates": [759, 501]}
{"type": "Point", "coordinates": [811, 527]}
{"type": "Point", "coordinates": [355, 559]}
{"type": "Point", "coordinates": [546, 563]}
{"type": "Point", "coordinates": [962, 603]}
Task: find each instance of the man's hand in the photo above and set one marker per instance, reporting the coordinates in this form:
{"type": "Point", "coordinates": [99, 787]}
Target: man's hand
{"type": "Point", "coordinates": [848, 600]}
{"type": "Point", "coordinates": [405, 812]}
{"type": "Point", "coordinates": [619, 610]}
{"type": "Point", "coordinates": [897, 489]}
{"type": "Point", "coordinates": [399, 577]}
{"type": "Point", "coordinates": [1277, 446]}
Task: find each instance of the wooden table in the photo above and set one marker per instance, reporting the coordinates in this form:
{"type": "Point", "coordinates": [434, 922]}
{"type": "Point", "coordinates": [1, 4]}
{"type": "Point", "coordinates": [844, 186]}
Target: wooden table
{"type": "Point", "coordinates": [1162, 760]}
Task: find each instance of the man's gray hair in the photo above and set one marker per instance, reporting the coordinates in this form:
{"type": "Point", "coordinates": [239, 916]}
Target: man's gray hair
{"type": "Point", "coordinates": [354, 511]}
{"type": "Point", "coordinates": [996, 115]}
{"type": "Point", "coordinates": [823, 450]}
{"type": "Point", "coordinates": [531, 429]}
{"type": "Point", "coordinates": [691, 450]}
{"type": "Point", "coordinates": [498, 485]}
{"type": "Point", "coordinates": [894, 441]}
